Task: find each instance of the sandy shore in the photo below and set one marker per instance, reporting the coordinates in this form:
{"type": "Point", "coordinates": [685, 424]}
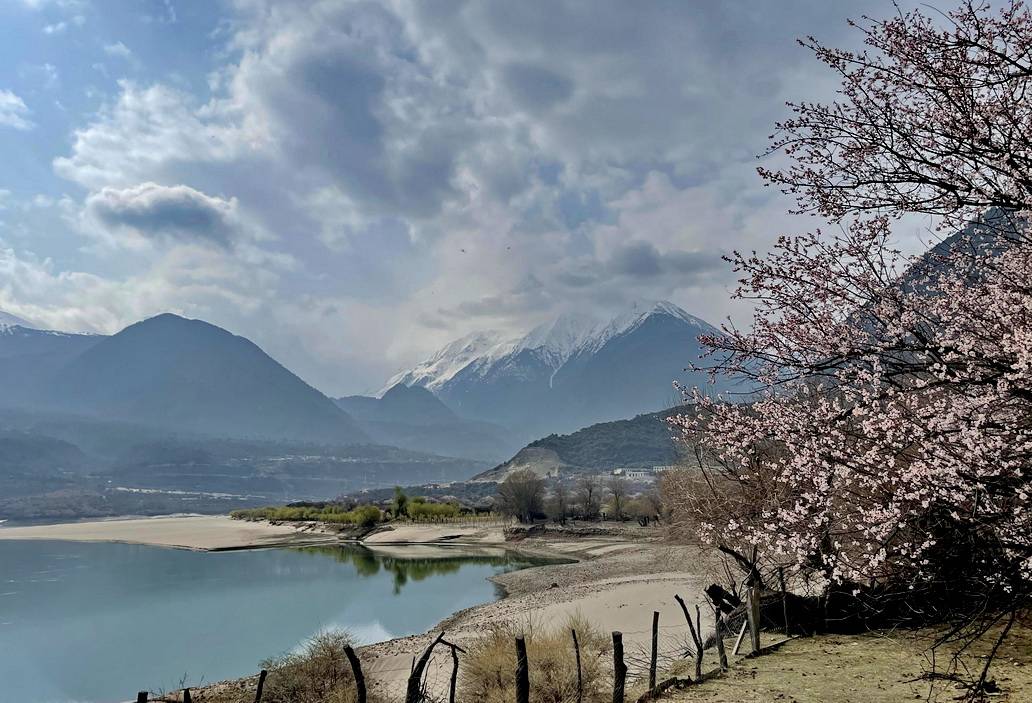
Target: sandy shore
{"type": "Point", "coordinates": [616, 584]}
{"type": "Point", "coordinates": [203, 532]}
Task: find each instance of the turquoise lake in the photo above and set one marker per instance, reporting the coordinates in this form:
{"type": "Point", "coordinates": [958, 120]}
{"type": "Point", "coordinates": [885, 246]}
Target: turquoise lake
{"type": "Point", "coordinates": [94, 623]}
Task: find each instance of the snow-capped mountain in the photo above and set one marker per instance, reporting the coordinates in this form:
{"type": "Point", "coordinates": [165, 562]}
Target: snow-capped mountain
{"type": "Point", "coordinates": [9, 320]}
{"type": "Point", "coordinates": [570, 372]}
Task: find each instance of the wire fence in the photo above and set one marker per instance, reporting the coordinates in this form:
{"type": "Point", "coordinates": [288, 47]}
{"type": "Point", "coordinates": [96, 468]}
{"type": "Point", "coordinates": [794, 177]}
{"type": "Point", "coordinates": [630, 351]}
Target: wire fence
{"type": "Point", "coordinates": [432, 676]}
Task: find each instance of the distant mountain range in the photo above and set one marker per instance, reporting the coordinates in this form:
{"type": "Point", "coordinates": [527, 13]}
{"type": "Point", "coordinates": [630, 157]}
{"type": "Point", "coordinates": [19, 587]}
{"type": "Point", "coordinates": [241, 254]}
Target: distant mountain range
{"type": "Point", "coordinates": [169, 372]}
{"type": "Point", "coordinates": [479, 398]}
{"type": "Point", "coordinates": [173, 415]}
{"type": "Point", "coordinates": [572, 372]}
{"type": "Point", "coordinates": [412, 417]}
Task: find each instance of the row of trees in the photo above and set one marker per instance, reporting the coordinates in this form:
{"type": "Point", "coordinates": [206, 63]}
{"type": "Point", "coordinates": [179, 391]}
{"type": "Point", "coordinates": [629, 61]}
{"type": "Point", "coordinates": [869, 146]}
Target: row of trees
{"type": "Point", "coordinates": [888, 453]}
{"type": "Point", "coordinates": [526, 496]}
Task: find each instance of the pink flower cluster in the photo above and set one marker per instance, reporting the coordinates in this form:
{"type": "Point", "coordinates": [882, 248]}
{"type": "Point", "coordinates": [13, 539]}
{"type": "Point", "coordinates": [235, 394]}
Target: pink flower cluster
{"type": "Point", "coordinates": [896, 403]}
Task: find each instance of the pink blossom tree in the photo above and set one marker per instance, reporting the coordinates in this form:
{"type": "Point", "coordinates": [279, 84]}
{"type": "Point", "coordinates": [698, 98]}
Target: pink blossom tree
{"type": "Point", "coordinates": [890, 448]}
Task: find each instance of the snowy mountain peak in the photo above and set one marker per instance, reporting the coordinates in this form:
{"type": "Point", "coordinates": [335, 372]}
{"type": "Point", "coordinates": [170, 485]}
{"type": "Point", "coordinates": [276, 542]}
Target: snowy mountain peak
{"type": "Point", "coordinates": [637, 313]}
{"type": "Point", "coordinates": [451, 359]}
{"type": "Point", "coordinates": [9, 320]}
{"type": "Point", "coordinates": [554, 343]}
{"type": "Point", "coordinates": [560, 338]}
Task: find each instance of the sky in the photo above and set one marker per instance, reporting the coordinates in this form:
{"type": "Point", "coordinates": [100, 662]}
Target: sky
{"type": "Point", "coordinates": [352, 185]}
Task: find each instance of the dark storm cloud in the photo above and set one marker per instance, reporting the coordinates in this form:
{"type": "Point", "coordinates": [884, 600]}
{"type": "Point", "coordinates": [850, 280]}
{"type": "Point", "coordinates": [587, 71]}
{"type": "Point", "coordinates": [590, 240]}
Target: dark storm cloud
{"type": "Point", "coordinates": [177, 212]}
{"type": "Point", "coordinates": [534, 87]}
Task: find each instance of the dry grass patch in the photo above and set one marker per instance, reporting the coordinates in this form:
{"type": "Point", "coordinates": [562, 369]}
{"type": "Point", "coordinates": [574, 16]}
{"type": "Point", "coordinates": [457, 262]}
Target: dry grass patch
{"type": "Point", "coordinates": [488, 672]}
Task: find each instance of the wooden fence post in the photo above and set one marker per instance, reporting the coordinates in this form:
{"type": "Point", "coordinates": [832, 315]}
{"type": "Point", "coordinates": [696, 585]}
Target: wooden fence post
{"type": "Point", "coordinates": [696, 632]}
{"type": "Point", "coordinates": [413, 692]}
{"type": "Point", "coordinates": [356, 669]}
{"type": "Point", "coordinates": [721, 653]}
{"type": "Point", "coordinates": [522, 671]}
{"type": "Point", "coordinates": [752, 612]}
{"type": "Point", "coordinates": [580, 681]}
{"type": "Point", "coordinates": [619, 668]}
{"type": "Point", "coordinates": [261, 684]}
{"type": "Point", "coordinates": [142, 697]}
{"type": "Point", "coordinates": [454, 674]}
{"type": "Point", "coordinates": [655, 649]}
{"type": "Point", "coordinates": [784, 597]}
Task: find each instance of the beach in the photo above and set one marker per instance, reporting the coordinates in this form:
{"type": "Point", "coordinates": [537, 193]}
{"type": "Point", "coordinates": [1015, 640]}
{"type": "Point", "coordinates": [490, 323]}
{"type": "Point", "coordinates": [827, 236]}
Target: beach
{"type": "Point", "coordinates": [202, 532]}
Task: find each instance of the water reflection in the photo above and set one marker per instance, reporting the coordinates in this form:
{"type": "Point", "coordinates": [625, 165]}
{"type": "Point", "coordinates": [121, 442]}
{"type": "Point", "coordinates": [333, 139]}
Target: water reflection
{"type": "Point", "coordinates": [403, 569]}
{"type": "Point", "coordinates": [78, 620]}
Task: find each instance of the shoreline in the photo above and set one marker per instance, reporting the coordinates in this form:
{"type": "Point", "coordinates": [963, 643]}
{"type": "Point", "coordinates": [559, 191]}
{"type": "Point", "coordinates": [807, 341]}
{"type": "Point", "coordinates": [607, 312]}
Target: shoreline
{"type": "Point", "coordinates": [193, 532]}
{"type": "Point", "coordinates": [614, 581]}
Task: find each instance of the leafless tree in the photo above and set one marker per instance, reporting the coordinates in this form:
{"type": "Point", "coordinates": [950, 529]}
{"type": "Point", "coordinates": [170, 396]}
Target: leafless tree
{"type": "Point", "coordinates": [617, 489]}
{"type": "Point", "coordinates": [560, 500]}
{"type": "Point", "coordinates": [522, 495]}
{"type": "Point", "coordinates": [588, 495]}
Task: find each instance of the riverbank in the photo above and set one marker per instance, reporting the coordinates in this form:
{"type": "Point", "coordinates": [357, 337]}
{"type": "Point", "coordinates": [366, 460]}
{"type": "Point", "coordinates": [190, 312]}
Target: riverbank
{"type": "Point", "coordinates": [613, 582]}
{"type": "Point", "coordinates": [199, 532]}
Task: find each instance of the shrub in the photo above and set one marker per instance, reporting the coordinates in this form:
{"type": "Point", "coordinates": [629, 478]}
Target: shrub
{"type": "Point", "coordinates": [488, 671]}
{"type": "Point", "coordinates": [418, 510]}
{"type": "Point", "coordinates": [317, 673]}
{"type": "Point", "coordinates": [364, 515]}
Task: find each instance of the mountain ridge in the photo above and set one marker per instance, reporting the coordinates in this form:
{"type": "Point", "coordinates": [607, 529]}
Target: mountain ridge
{"type": "Point", "coordinates": [171, 372]}
{"type": "Point", "coordinates": [570, 372]}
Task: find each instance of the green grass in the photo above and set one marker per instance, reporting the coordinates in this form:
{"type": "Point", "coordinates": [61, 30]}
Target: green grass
{"type": "Point", "coordinates": [365, 515]}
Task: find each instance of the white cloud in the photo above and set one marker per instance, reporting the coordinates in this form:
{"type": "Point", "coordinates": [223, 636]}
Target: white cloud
{"type": "Point", "coordinates": [118, 49]}
{"type": "Point", "coordinates": [142, 134]}
{"type": "Point", "coordinates": [13, 111]}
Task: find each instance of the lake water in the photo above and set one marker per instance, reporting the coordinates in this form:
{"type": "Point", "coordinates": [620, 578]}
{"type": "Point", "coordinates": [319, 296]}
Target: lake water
{"type": "Point", "coordinates": [95, 623]}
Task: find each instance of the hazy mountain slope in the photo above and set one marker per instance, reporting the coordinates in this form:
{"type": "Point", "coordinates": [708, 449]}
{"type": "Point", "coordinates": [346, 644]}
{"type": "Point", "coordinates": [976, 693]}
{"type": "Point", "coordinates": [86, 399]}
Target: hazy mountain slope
{"type": "Point", "coordinates": [188, 375]}
{"type": "Point", "coordinates": [414, 418]}
{"type": "Point", "coordinates": [571, 372]}
{"type": "Point", "coordinates": [643, 441]}
{"type": "Point", "coordinates": [410, 405]}
{"type": "Point", "coordinates": [29, 356]}
{"type": "Point", "coordinates": [7, 320]}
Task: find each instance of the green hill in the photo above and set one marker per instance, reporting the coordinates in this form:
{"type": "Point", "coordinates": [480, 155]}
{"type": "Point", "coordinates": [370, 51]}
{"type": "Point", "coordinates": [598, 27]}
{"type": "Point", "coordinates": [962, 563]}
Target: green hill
{"type": "Point", "coordinates": [643, 441]}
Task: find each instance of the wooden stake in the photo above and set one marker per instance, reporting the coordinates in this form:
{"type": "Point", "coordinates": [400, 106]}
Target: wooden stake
{"type": "Point", "coordinates": [784, 597]}
{"type": "Point", "coordinates": [619, 668]}
{"type": "Point", "coordinates": [522, 672]}
{"type": "Point", "coordinates": [413, 691]}
{"type": "Point", "coordinates": [721, 653]}
{"type": "Point", "coordinates": [696, 631]}
{"type": "Point", "coordinates": [655, 649]}
{"type": "Point", "coordinates": [752, 612]}
{"type": "Point", "coordinates": [261, 684]}
{"type": "Point", "coordinates": [356, 669]}
{"type": "Point", "coordinates": [580, 681]}
{"type": "Point", "coordinates": [454, 674]}
{"type": "Point", "coordinates": [738, 641]}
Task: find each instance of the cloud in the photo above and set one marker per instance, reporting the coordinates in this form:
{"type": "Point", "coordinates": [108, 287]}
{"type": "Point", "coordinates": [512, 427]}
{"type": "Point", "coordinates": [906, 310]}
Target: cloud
{"type": "Point", "coordinates": [143, 135]}
{"type": "Point", "coordinates": [438, 168]}
{"type": "Point", "coordinates": [176, 213]}
{"type": "Point", "coordinates": [536, 87]}
{"type": "Point", "coordinates": [118, 49]}
{"type": "Point", "coordinates": [13, 111]}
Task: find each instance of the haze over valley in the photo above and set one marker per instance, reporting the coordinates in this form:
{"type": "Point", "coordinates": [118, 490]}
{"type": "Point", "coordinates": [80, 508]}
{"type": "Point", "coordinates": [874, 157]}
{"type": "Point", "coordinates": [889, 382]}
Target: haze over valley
{"type": "Point", "coordinates": [172, 414]}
